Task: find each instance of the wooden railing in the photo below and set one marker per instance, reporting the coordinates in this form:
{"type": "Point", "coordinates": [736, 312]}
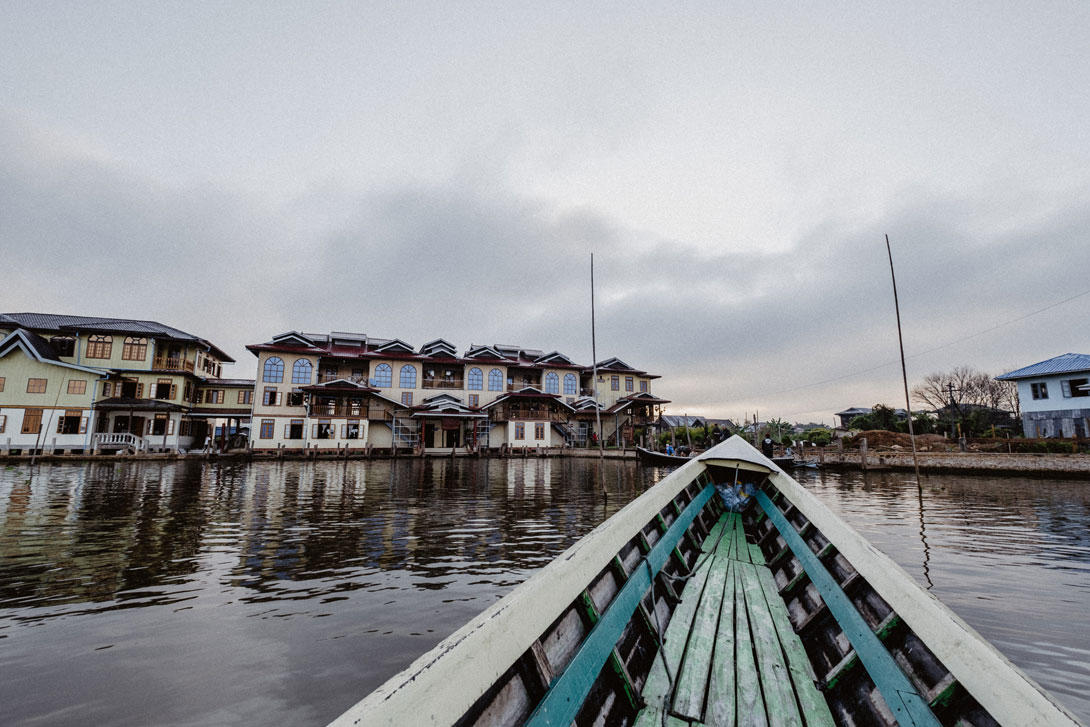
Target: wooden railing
{"type": "Point", "coordinates": [517, 414]}
{"type": "Point", "coordinates": [443, 383]}
{"type": "Point", "coordinates": [172, 363]}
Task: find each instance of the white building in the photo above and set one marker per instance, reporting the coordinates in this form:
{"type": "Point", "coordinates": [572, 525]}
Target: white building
{"type": "Point", "coordinates": [1054, 396]}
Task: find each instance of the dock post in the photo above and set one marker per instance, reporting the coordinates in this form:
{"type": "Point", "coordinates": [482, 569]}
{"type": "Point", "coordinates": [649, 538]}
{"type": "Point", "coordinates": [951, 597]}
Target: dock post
{"type": "Point", "coordinates": [821, 455]}
{"type": "Point", "coordinates": [863, 453]}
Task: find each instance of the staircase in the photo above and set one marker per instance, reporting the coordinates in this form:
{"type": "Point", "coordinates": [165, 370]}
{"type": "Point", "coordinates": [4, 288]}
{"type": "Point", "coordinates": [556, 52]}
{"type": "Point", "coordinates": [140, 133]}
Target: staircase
{"type": "Point", "coordinates": [129, 443]}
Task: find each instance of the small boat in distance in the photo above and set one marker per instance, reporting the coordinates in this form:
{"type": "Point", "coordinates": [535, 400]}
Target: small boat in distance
{"type": "Point", "coordinates": [659, 459]}
{"type": "Point", "coordinates": [682, 611]}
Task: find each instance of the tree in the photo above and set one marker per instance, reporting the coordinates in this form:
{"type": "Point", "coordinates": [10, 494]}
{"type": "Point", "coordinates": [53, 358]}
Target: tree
{"type": "Point", "coordinates": [960, 391]}
{"type": "Point", "coordinates": [819, 437]}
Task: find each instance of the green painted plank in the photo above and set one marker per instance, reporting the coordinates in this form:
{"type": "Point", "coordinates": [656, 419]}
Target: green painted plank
{"type": "Point", "coordinates": [714, 534]}
{"type": "Point", "coordinates": [908, 706]}
{"type": "Point", "coordinates": [741, 547]}
{"type": "Point", "coordinates": [568, 692]}
{"type": "Point", "coordinates": [814, 707]}
{"type": "Point", "coordinates": [775, 679]}
{"type": "Point", "coordinates": [657, 685]}
{"type": "Point", "coordinates": [650, 717]}
{"type": "Point", "coordinates": [692, 683]}
{"type": "Point", "coordinates": [750, 705]}
{"type": "Point", "coordinates": [721, 688]}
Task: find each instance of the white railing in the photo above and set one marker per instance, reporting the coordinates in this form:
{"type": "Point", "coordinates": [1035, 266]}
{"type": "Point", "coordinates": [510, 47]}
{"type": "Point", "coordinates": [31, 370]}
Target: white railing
{"type": "Point", "coordinates": [120, 440]}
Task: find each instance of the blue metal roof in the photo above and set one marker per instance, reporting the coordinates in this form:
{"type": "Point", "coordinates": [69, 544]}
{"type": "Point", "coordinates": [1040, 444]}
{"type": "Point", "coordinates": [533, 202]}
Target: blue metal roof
{"type": "Point", "coordinates": [1062, 364]}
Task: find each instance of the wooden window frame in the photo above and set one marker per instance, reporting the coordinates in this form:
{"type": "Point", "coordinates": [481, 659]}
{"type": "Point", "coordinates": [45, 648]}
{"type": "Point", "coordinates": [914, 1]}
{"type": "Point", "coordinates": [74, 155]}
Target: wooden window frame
{"type": "Point", "coordinates": [99, 346]}
{"type": "Point", "coordinates": [65, 346]}
{"type": "Point", "coordinates": [615, 382]}
{"type": "Point", "coordinates": [384, 376]}
{"type": "Point", "coordinates": [134, 348]}
{"type": "Point", "coordinates": [267, 429]}
{"type": "Point", "coordinates": [32, 387]}
{"type": "Point", "coordinates": [629, 383]}
{"type": "Point", "coordinates": [539, 431]}
{"type": "Point", "coordinates": [77, 387]}
{"type": "Point", "coordinates": [406, 398]}
{"type": "Point", "coordinates": [520, 431]}
{"type": "Point", "coordinates": [29, 415]}
{"type": "Point", "coordinates": [406, 377]}
{"type": "Point", "coordinates": [246, 396]}
{"type": "Point", "coordinates": [474, 399]}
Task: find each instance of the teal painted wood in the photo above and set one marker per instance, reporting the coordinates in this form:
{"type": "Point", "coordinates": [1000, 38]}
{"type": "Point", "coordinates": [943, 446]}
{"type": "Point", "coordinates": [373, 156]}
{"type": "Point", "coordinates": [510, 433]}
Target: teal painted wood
{"type": "Point", "coordinates": [567, 693]}
{"type": "Point", "coordinates": [692, 682]}
{"type": "Point", "coordinates": [908, 706]}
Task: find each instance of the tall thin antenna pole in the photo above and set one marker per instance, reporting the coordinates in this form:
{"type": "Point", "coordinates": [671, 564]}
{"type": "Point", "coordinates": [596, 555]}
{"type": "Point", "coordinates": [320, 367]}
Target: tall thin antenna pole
{"type": "Point", "coordinates": [904, 372]}
{"type": "Point", "coordinates": [594, 369]}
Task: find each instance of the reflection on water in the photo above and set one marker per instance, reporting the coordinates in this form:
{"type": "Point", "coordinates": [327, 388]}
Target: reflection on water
{"type": "Point", "coordinates": [200, 594]}
{"type": "Point", "coordinates": [1011, 556]}
{"type": "Point", "coordinates": [215, 594]}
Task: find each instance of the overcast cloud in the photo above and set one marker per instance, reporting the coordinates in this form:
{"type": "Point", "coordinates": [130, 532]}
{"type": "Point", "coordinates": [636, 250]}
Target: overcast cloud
{"type": "Point", "coordinates": [425, 170]}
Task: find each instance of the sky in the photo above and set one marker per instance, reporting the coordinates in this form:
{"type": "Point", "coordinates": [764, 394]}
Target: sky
{"type": "Point", "coordinates": [419, 170]}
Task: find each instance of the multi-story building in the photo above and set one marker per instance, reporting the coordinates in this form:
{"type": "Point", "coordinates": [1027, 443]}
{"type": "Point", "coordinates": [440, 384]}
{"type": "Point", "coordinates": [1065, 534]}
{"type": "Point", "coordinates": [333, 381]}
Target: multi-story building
{"type": "Point", "coordinates": [350, 390]}
{"type": "Point", "coordinates": [1051, 393]}
{"type": "Point", "coordinates": [76, 384]}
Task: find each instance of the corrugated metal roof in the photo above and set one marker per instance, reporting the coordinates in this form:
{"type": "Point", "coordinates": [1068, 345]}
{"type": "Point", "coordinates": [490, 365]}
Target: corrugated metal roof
{"type": "Point", "coordinates": [1062, 364]}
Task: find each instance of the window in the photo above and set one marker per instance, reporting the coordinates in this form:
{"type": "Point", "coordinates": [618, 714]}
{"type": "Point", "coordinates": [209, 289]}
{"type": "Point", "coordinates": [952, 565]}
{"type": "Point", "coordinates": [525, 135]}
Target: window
{"type": "Point", "coordinates": [107, 389]}
{"type": "Point", "coordinates": [274, 370]}
{"type": "Point", "coordinates": [520, 430]}
{"type": "Point", "coordinates": [32, 421]}
{"type": "Point", "coordinates": [324, 430]}
{"type": "Point", "coordinates": [384, 375]}
{"type": "Point", "coordinates": [3, 422]}
{"type": "Point", "coordinates": [643, 386]}
{"type": "Point", "coordinates": [245, 397]}
{"type": "Point", "coordinates": [407, 398]}
{"type": "Point", "coordinates": [295, 398]}
{"type": "Point", "coordinates": [474, 399]}
{"type": "Point", "coordinates": [351, 430]}
{"type": "Point", "coordinates": [134, 349]}
{"type": "Point", "coordinates": [64, 345]}
{"type": "Point", "coordinates": [331, 372]}
{"type": "Point", "coordinates": [1, 383]}
{"type": "Point", "coordinates": [187, 394]}
{"type": "Point", "coordinates": [266, 431]}
{"type": "Point", "coordinates": [495, 380]}
{"type": "Point", "coordinates": [300, 371]}
{"type": "Point", "coordinates": [294, 429]}
{"type": "Point", "coordinates": [213, 397]}
{"type": "Point", "coordinates": [628, 383]}
{"type": "Point", "coordinates": [165, 390]}
{"type": "Point", "coordinates": [1039, 391]}
{"type": "Point", "coordinates": [99, 346]}
{"type": "Point", "coordinates": [35, 386]}
{"type": "Point", "coordinates": [475, 379]}
{"type": "Point", "coordinates": [615, 382]}
{"type": "Point", "coordinates": [408, 377]}
{"type": "Point", "coordinates": [77, 387]}
{"type": "Point", "coordinates": [1071, 388]}
{"type": "Point", "coordinates": [358, 376]}
{"type": "Point", "coordinates": [552, 383]}
{"type": "Point", "coordinates": [570, 385]}
{"type": "Point", "coordinates": [539, 430]}
{"type": "Point", "coordinates": [73, 422]}
{"type": "Point", "coordinates": [272, 397]}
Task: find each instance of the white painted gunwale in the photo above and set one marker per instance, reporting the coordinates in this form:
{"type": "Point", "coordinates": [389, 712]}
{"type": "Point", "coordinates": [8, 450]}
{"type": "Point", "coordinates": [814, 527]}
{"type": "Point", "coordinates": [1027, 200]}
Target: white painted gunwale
{"type": "Point", "coordinates": [440, 686]}
{"type": "Point", "coordinates": [1004, 690]}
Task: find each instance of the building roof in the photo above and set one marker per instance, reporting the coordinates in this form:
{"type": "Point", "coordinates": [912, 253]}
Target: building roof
{"type": "Point", "coordinates": [87, 324]}
{"type": "Point", "coordinates": [1062, 364]}
{"type": "Point", "coordinates": [39, 349]}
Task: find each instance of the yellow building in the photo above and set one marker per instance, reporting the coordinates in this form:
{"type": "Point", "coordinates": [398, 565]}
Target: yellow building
{"type": "Point", "coordinates": [349, 390]}
{"type": "Point", "coordinates": [134, 385]}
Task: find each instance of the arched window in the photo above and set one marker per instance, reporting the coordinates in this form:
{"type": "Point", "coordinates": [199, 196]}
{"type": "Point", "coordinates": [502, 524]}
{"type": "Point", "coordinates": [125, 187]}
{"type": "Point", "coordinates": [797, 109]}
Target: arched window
{"type": "Point", "coordinates": [384, 375]}
{"type": "Point", "coordinates": [408, 377]}
{"type": "Point", "coordinates": [570, 385]}
{"type": "Point", "coordinates": [274, 370]}
{"type": "Point", "coordinates": [99, 346]}
{"type": "Point", "coordinates": [552, 383]}
{"type": "Point", "coordinates": [135, 349]}
{"type": "Point", "coordinates": [300, 371]}
{"type": "Point", "coordinates": [495, 380]}
{"type": "Point", "coordinates": [475, 379]}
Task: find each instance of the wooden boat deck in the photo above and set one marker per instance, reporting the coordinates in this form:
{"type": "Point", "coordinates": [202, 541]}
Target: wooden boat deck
{"type": "Point", "coordinates": [732, 655]}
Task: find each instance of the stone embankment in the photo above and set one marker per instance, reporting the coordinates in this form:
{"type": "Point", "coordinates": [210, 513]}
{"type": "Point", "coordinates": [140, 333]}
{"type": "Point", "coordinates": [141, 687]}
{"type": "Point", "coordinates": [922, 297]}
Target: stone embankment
{"type": "Point", "coordinates": [1051, 465]}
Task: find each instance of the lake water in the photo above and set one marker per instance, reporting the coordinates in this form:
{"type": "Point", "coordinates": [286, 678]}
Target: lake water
{"type": "Point", "coordinates": [194, 593]}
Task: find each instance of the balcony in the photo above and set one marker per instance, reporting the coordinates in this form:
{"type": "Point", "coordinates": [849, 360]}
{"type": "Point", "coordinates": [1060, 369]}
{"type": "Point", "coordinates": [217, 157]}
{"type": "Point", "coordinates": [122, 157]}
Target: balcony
{"type": "Point", "coordinates": [443, 383]}
{"type": "Point", "coordinates": [172, 363]}
{"type": "Point", "coordinates": [519, 414]}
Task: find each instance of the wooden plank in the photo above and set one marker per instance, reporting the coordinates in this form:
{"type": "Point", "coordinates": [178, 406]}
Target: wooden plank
{"type": "Point", "coordinates": [814, 707]}
{"type": "Point", "coordinates": [658, 683]}
{"type": "Point", "coordinates": [750, 705]}
{"type": "Point", "coordinates": [714, 534]}
{"type": "Point", "coordinates": [721, 696]}
{"type": "Point", "coordinates": [775, 679]}
{"type": "Point", "coordinates": [908, 706]}
{"type": "Point", "coordinates": [692, 683]}
{"type": "Point", "coordinates": [652, 717]}
{"type": "Point", "coordinates": [740, 549]}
